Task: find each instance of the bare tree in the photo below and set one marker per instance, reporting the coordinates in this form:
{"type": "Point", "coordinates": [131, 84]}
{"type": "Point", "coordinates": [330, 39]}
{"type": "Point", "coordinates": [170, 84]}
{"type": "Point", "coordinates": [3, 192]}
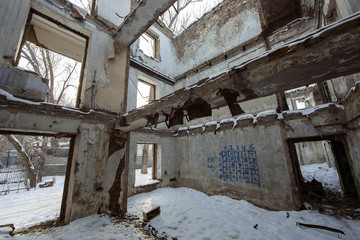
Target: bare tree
{"type": "Point", "coordinates": [55, 68]}
{"type": "Point", "coordinates": [24, 156]}
{"type": "Point", "coordinates": [183, 13]}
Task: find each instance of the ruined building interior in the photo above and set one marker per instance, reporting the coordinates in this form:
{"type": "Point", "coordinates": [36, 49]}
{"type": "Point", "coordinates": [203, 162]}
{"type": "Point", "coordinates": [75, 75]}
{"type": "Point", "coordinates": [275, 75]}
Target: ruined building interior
{"type": "Point", "coordinates": [230, 103]}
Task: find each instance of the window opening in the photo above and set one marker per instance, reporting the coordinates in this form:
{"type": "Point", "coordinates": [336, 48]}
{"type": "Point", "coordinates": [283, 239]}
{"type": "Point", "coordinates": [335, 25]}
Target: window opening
{"type": "Point", "coordinates": [147, 164]}
{"type": "Point", "coordinates": [303, 97]}
{"type": "Point", "coordinates": [32, 175]}
{"type": "Point", "coordinates": [145, 93]}
{"type": "Point", "coordinates": [148, 45]}
{"type": "Point", "coordinates": [56, 54]}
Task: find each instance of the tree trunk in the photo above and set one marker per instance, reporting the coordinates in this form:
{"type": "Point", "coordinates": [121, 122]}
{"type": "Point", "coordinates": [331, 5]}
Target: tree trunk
{"type": "Point", "coordinates": [145, 157]}
{"type": "Point", "coordinates": [42, 159]}
{"type": "Point", "coordinates": [25, 158]}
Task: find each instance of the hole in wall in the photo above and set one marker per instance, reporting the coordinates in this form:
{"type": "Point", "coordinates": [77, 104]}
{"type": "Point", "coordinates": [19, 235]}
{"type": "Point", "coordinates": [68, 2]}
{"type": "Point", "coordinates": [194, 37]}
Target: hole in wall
{"type": "Point", "coordinates": [323, 173]}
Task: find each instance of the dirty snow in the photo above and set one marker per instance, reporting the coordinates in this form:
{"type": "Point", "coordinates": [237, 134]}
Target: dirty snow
{"type": "Point", "coordinates": [322, 173]}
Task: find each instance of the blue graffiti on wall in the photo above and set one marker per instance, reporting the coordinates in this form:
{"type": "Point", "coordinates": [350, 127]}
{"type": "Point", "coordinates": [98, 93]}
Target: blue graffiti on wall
{"type": "Point", "coordinates": [210, 163]}
{"type": "Point", "coordinates": [237, 165]}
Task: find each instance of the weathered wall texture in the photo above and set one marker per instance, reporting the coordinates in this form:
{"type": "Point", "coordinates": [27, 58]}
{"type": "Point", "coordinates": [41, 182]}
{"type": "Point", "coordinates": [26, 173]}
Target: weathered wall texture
{"type": "Point", "coordinates": [97, 180]}
{"type": "Point", "coordinates": [315, 152]}
{"type": "Point", "coordinates": [112, 11]}
{"type": "Point", "coordinates": [90, 191]}
{"type": "Point", "coordinates": [232, 24]}
{"type": "Point", "coordinates": [243, 163]}
{"type": "Point", "coordinates": [13, 16]}
{"type": "Point", "coordinates": [167, 165]}
{"type": "Point", "coordinates": [105, 75]}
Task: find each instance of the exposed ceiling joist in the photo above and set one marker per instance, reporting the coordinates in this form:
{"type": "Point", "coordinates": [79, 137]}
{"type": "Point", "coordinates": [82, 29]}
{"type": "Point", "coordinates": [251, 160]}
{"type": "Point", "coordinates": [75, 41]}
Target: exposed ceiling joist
{"type": "Point", "coordinates": [327, 53]}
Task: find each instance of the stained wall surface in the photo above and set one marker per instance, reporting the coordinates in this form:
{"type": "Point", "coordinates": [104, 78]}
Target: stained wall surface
{"type": "Point", "coordinates": [244, 163]}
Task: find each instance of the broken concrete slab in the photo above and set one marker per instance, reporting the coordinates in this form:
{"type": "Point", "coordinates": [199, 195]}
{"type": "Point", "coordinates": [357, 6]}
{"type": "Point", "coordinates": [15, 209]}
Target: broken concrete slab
{"type": "Point", "coordinates": [151, 212]}
{"type": "Point", "coordinates": [23, 84]}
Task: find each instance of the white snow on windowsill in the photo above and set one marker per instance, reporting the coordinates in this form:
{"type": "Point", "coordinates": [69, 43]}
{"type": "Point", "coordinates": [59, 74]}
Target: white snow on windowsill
{"type": "Point", "coordinates": [142, 180]}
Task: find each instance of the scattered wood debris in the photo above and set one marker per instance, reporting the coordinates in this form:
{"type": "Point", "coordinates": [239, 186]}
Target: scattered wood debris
{"type": "Point", "coordinates": [11, 233]}
{"type": "Point", "coordinates": [304, 225]}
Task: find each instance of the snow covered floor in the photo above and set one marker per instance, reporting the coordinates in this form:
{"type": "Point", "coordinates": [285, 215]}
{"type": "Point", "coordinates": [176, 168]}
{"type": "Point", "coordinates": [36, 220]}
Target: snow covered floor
{"type": "Point", "coordinates": [185, 214]}
{"type": "Point", "coordinates": [28, 208]}
{"type": "Point", "coordinates": [189, 214]}
{"type": "Point", "coordinates": [322, 173]}
{"type": "Point", "coordinates": [144, 179]}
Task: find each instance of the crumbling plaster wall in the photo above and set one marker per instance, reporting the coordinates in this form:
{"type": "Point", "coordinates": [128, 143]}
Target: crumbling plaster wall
{"type": "Point", "coordinates": [167, 161]}
{"type": "Point", "coordinates": [207, 162]}
{"type": "Point", "coordinates": [105, 85]}
{"type": "Point", "coordinates": [93, 174]}
{"type": "Point", "coordinates": [225, 28]}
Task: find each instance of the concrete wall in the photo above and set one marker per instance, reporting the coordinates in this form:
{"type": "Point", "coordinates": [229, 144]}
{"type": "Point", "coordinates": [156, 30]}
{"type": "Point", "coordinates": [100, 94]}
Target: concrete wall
{"type": "Point", "coordinates": [315, 152]}
{"type": "Point", "coordinates": [167, 166]}
{"type": "Point", "coordinates": [94, 174]}
{"type": "Point", "coordinates": [13, 16]}
{"type": "Point", "coordinates": [229, 25]}
{"type": "Point", "coordinates": [263, 157]}
{"type": "Point", "coordinates": [113, 11]}
{"type": "Point", "coordinates": [352, 103]}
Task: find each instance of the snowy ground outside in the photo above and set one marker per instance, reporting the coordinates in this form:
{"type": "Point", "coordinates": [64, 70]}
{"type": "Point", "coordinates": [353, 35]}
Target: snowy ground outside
{"type": "Point", "coordinates": [27, 208]}
{"type": "Point", "coordinates": [144, 179]}
{"type": "Point", "coordinates": [189, 214]}
{"type": "Point", "coordinates": [322, 173]}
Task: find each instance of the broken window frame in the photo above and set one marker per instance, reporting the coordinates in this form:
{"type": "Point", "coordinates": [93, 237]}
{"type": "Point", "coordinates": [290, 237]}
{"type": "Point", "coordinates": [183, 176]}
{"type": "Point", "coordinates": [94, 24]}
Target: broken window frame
{"type": "Point", "coordinates": [155, 51]}
{"type": "Point", "coordinates": [66, 28]}
{"type": "Point", "coordinates": [152, 93]}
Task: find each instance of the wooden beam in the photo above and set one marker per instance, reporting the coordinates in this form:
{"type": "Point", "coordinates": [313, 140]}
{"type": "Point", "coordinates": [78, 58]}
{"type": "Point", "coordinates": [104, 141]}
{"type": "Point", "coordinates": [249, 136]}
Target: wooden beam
{"type": "Point", "coordinates": [139, 20]}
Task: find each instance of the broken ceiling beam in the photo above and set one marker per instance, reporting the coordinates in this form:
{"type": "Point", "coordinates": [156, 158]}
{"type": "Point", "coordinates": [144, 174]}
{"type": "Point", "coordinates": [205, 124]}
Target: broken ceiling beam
{"type": "Point", "coordinates": [139, 20]}
{"type": "Point", "coordinates": [327, 53]}
{"type": "Point", "coordinates": [197, 108]}
{"type": "Point", "coordinates": [230, 97]}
